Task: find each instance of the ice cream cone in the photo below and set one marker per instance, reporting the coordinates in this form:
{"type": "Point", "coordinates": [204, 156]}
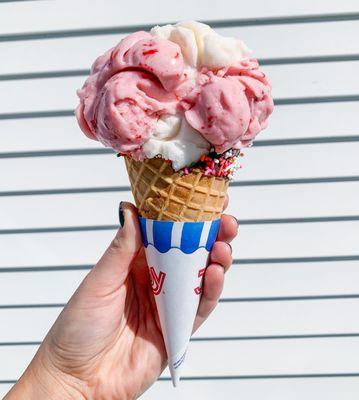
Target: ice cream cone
{"type": "Point", "coordinates": [150, 96]}
{"type": "Point", "coordinates": [162, 194]}
{"type": "Point", "coordinates": [180, 215]}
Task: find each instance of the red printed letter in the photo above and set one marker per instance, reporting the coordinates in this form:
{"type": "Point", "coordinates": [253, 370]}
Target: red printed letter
{"type": "Point", "coordinates": [198, 289]}
{"type": "Point", "coordinates": [156, 281]}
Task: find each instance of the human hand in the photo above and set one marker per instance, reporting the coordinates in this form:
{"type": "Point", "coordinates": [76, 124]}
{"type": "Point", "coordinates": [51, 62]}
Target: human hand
{"type": "Point", "coordinates": [107, 342]}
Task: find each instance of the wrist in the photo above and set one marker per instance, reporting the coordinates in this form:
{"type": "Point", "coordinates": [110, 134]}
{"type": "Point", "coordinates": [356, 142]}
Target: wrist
{"type": "Point", "coordinates": [42, 381]}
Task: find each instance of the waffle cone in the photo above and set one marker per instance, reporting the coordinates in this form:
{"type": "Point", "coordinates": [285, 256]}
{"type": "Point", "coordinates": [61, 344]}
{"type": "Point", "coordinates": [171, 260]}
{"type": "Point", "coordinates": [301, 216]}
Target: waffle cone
{"type": "Point", "coordinates": [162, 194]}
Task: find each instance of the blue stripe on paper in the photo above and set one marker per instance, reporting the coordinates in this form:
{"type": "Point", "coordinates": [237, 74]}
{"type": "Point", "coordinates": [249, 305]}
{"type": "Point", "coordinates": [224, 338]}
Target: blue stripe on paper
{"type": "Point", "coordinates": [191, 235]}
{"type": "Point", "coordinates": [143, 231]}
{"type": "Point", "coordinates": [212, 234]}
{"type": "Point", "coordinates": [190, 239]}
{"type": "Point", "coordinates": [162, 235]}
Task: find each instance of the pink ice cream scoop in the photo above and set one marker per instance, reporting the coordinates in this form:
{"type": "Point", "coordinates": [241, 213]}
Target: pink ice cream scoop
{"type": "Point", "coordinates": [232, 107]}
{"type": "Point", "coordinates": [129, 106]}
{"type": "Point", "coordinates": [128, 89]}
{"type": "Point", "coordinates": [144, 77]}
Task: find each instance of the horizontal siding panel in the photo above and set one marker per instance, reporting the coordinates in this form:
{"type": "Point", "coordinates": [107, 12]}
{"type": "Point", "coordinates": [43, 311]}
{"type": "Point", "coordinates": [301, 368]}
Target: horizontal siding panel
{"type": "Point", "coordinates": [25, 325]}
{"type": "Point", "coordinates": [241, 319]}
{"type": "Point", "coordinates": [63, 210]}
{"type": "Point", "coordinates": [262, 357]}
{"type": "Point", "coordinates": [39, 287]}
{"type": "Point", "coordinates": [63, 172]}
{"type": "Point", "coordinates": [321, 122]}
{"type": "Point", "coordinates": [43, 134]}
{"type": "Point", "coordinates": [307, 80]}
{"type": "Point", "coordinates": [17, 359]}
{"type": "Point", "coordinates": [289, 81]}
{"type": "Point", "coordinates": [53, 249]}
{"type": "Point", "coordinates": [282, 318]}
{"type": "Point", "coordinates": [312, 120]}
{"type": "Point", "coordinates": [254, 241]}
{"type": "Point", "coordinates": [4, 388]}
{"type": "Point", "coordinates": [61, 15]}
{"type": "Point", "coordinates": [278, 389]}
{"type": "Point", "coordinates": [252, 202]}
{"type": "Point", "coordinates": [66, 54]}
{"type": "Point", "coordinates": [243, 358]}
{"type": "Point", "coordinates": [243, 281]}
{"type": "Point", "coordinates": [292, 279]}
{"type": "Point", "coordinates": [297, 240]}
{"type": "Point", "coordinates": [259, 163]}
{"type": "Point", "coordinates": [266, 42]}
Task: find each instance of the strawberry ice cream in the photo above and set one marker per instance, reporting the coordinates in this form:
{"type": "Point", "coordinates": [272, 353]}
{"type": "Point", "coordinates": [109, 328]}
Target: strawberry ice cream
{"type": "Point", "coordinates": [232, 107]}
{"type": "Point", "coordinates": [175, 92]}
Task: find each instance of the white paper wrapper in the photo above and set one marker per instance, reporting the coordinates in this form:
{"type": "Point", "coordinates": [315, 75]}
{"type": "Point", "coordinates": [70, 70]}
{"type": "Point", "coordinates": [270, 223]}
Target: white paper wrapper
{"type": "Point", "coordinates": [177, 255]}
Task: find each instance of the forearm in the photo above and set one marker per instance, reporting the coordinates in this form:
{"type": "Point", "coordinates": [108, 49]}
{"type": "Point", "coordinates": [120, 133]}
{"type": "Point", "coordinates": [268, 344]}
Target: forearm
{"type": "Point", "coordinates": [42, 382]}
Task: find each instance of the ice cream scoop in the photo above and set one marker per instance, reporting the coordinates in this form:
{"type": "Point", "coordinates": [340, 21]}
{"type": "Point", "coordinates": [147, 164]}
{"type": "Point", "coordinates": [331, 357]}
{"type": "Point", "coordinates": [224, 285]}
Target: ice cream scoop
{"type": "Point", "coordinates": [204, 86]}
{"type": "Point", "coordinates": [232, 107]}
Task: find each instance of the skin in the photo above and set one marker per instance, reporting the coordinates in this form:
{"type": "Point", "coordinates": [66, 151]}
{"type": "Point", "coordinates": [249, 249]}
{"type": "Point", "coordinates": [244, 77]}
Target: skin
{"type": "Point", "coordinates": [107, 342]}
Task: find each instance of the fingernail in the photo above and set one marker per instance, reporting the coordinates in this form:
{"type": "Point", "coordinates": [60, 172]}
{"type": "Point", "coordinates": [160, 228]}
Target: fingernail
{"type": "Point", "coordinates": [230, 246]}
{"type": "Point", "coordinates": [237, 221]}
{"type": "Point", "coordinates": [121, 216]}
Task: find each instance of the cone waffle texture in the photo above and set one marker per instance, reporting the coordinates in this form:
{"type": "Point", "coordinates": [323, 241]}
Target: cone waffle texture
{"type": "Point", "coordinates": [162, 194]}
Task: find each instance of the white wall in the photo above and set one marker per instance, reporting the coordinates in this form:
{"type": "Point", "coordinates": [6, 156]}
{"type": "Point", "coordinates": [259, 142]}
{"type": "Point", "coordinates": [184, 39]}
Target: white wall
{"type": "Point", "coordinates": [288, 324]}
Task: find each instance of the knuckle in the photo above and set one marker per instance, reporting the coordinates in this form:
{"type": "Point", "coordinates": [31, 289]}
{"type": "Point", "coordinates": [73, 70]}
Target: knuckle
{"type": "Point", "coordinates": [116, 243]}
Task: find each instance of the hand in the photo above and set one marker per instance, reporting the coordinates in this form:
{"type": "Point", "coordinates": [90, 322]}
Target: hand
{"type": "Point", "coordinates": [107, 342]}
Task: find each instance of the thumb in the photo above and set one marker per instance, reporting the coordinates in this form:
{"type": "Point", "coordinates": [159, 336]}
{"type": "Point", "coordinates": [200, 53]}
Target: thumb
{"type": "Point", "coordinates": [112, 269]}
